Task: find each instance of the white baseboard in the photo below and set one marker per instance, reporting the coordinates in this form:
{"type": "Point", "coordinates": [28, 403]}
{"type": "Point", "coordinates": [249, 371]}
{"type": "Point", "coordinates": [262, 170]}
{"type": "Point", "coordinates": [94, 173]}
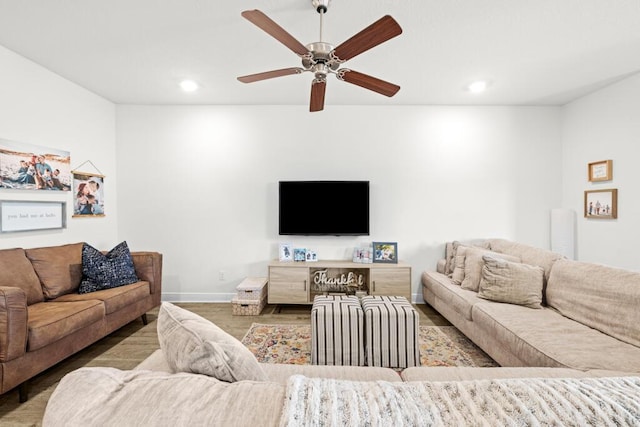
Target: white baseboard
{"type": "Point", "coordinates": [188, 297]}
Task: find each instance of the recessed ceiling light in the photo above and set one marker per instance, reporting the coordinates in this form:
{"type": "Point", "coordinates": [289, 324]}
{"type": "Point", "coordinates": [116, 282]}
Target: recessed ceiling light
{"type": "Point", "coordinates": [478, 86]}
{"type": "Point", "coordinates": [188, 85]}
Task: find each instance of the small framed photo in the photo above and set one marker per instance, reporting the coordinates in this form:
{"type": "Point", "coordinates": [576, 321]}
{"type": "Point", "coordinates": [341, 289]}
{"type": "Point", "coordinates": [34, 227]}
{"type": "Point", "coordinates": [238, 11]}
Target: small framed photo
{"type": "Point", "coordinates": [601, 204]}
{"type": "Point", "coordinates": [385, 252]}
{"type": "Point", "coordinates": [299, 254]}
{"type": "Point", "coordinates": [311, 256]}
{"type": "Point", "coordinates": [285, 253]}
{"type": "Point", "coordinates": [601, 171]}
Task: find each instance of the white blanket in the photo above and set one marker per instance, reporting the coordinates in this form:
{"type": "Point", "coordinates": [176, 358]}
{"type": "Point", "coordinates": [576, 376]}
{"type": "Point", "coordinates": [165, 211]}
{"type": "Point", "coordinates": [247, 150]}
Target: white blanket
{"type": "Point", "coordinates": [506, 402]}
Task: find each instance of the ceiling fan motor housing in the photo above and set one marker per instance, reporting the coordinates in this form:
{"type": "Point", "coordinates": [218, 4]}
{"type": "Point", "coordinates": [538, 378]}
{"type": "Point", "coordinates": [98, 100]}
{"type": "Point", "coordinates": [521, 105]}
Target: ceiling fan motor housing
{"type": "Point", "coordinates": [320, 54]}
{"type": "Point", "coordinates": [320, 6]}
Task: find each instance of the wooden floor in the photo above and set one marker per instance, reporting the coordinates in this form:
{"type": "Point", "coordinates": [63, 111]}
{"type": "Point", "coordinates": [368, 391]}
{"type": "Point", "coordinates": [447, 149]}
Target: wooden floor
{"type": "Point", "coordinates": [130, 345]}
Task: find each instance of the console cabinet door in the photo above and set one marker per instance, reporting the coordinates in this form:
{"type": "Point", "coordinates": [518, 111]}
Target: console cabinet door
{"type": "Point", "coordinates": [288, 285]}
{"type": "Point", "coordinates": [391, 281]}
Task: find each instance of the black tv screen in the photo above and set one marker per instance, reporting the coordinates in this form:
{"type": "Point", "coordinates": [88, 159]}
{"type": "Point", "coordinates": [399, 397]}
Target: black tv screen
{"type": "Point", "coordinates": [339, 208]}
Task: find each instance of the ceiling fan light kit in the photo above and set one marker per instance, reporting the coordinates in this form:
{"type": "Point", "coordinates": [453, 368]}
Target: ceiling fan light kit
{"type": "Point", "coordinates": [322, 58]}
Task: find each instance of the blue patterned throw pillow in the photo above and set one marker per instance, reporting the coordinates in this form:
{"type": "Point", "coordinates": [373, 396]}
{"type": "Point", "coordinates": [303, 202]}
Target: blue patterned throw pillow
{"type": "Point", "coordinates": [100, 271]}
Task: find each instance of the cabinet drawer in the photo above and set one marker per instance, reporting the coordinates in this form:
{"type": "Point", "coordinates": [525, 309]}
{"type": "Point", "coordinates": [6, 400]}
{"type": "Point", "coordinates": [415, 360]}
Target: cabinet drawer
{"type": "Point", "coordinates": [391, 281]}
{"type": "Point", "coordinates": [288, 285]}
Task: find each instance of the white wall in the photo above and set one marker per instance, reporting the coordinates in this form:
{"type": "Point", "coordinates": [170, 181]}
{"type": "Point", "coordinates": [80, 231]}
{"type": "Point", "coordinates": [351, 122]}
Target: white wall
{"type": "Point", "coordinates": [199, 183]}
{"type": "Point", "coordinates": [41, 108]}
{"type": "Point", "coordinates": [605, 125]}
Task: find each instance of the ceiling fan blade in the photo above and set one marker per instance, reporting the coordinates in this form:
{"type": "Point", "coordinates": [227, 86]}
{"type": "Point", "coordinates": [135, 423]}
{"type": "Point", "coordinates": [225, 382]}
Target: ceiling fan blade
{"type": "Point", "coordinates": [270, 74]}
{"type": "Point", "coordinates": [368, 82]}
{"type": "Point", "coordinates": [318, 88]}
{"type": "Point", "coordinates": [274, 30]}
{"type": "Point", "coordinates": [379, 32]}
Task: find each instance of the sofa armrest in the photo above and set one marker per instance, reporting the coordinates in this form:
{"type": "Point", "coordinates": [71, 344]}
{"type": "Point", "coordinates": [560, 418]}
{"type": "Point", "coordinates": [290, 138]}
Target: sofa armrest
{"type": "Point", "coordinates": [442, 263]}
{"type": "Point", "coordinates": [13, 323]}
{"type": "Point", "coordinates": [149, 268]}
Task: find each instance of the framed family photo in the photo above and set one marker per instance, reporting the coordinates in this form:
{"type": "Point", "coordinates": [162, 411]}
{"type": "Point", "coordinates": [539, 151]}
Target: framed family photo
{"type": "Point", "coordinates": [601, 204]}
{"type": "Point", "coordinates": [88, 196]}
{"type": "Point", "coordinates": [601, 171]}
{"type": "Point", "coordinates": [385, 252]}
{"type": "Point", "coordinates": [31, 167]}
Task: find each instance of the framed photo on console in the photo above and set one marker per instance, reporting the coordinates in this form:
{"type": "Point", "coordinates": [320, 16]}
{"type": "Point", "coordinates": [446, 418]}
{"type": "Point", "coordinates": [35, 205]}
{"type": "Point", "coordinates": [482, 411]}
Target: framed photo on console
{"type": "Point", "coordinates": [285, 253]}
{"type": "Point", "coordinates": [385, 252]}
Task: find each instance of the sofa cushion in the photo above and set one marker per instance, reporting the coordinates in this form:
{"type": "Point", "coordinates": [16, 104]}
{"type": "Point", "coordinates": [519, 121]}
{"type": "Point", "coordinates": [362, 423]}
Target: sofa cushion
{"type": "Point", "coordinates": [461, 300]}
{"type": "Point", "coordinates": [527, 254]}
{"type": "Point", "coordinates": [473, 264]}
{"type": "Point", "coordinates": [546, 338]}
{"type": "Point", "coordinates": [110, 397]}
{"type": "Point", "coordinates": [114, 299]}
{"type": "Point", "coordinates": [191, 343]}
{"type": "Point", "coordinates": [50, 321]}
{"type": "Point", "coordinates": [17, 271]}
{"type": "Point", "coordinates": [511, 282]}
{"type": "Point", "coordinates": [604, 298]}
{"type": "Point", "coordinates": [58, 267]}
{"type": "Point", "coordinates": [100, 271]}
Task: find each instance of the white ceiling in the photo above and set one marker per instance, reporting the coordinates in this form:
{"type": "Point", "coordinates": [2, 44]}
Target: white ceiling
{"type": "Point", "coordinates": [534, 52]}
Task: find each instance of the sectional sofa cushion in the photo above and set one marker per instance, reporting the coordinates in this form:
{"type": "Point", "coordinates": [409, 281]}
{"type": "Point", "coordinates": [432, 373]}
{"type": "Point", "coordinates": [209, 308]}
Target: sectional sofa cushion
{"type": "Point", "coordinates": [111, 397]}
{"type": "Point", "coordinates": [546, 338]}
{"type": "Point", "coordinates": [451, 249]}
{"type": "Point", "coordinates": [528, 254]}
{"type": "Point", "coordinates": [114, 299]}
{"type": "Point", "coordinates": [460, 300]}
{"type": "Point", "coordinates": [19, 273]}
{"type": "Point", "coordinates": [602, 297]}
{"type": "Point", "coordinates": [473, 264]}
{"type": "Point", "coordinates": [191, 343]}
{"type": "Point", "coordinates": [511, 282]}
{"type": "Point", "coordinates": [59, 268]}
{"type": "Point", "coordinates": [100, 271]}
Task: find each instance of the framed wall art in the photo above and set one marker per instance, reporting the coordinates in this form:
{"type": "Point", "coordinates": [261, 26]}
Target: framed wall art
{"type": "Point", "coordinates": [21, 215]}
{"type": "Point", "coordinates": [601, 204]}
{"type": "Point", "coordinates": [385, 252]}
{"type": "Point", "coordinates": [88, 197]}
{"type": "Point", "coordinates": [601, 171]}
{"type": "Point", "coordinates": [31, 167]}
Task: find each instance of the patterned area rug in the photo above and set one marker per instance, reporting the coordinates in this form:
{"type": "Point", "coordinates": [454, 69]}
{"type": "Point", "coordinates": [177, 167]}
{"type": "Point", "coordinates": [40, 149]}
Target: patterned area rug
{"type": "Point", "coordinates": [291, 344]}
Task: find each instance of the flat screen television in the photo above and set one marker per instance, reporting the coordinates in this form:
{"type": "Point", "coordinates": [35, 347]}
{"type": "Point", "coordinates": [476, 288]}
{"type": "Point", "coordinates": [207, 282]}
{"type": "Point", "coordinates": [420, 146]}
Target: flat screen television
{"type": "Point", "coordinates": [324, 208]}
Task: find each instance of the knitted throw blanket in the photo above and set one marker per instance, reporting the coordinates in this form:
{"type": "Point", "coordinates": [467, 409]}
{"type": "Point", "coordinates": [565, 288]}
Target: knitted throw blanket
{"type": "Point", "coordinates": [505, 402]}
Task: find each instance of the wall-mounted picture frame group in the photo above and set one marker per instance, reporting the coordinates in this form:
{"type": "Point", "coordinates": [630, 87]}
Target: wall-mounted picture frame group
{"type": "Point", "coordinates": [385, 252]}
{"type": "Point", "coordinates": [32, 167]}
{"type": "Point", "coordinates": [601, 204]}
{"type": "Point", "coordinates": [600, 171]}
{"type": "Point", "coordinates": [23, 215]}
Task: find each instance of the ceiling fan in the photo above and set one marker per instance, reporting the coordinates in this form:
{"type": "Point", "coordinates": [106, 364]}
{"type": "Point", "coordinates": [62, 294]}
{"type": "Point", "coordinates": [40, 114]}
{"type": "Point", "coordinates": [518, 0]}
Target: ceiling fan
{"type": "Point", "coordinates": [323, 58]}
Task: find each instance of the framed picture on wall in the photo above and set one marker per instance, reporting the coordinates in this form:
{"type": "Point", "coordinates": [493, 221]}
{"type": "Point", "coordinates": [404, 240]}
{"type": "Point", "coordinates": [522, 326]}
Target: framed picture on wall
{"type": "Point", "coordinates": [385, 252]}
{"type": "Point", "coordinates": [601, 171]}
{"type": "Point", "coordinates": [31, 167]}
{"type": "Point", "coordinates": [601, 204]}
{"type": "Point", "coordinates": [88, 199]}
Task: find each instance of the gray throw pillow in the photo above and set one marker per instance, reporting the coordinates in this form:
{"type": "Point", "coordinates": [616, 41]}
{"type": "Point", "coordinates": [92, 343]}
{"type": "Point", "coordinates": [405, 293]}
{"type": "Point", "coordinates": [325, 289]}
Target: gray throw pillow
{"type": "Point", "coordinates": [511, 282]}
{"type": "Point", "coordinates": [191, 343]}
{"type": "Point", "coordinates": [473, 266]}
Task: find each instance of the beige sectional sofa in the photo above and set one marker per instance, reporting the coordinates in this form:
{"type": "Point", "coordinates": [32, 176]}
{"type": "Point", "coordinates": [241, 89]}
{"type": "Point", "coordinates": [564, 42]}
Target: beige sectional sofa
{"type": "Point", "coordinates": [181, 385]}
{"type": "Point", "coordinates": [590, 318]}
{"type": "Point", "coordinates": [43, 318]}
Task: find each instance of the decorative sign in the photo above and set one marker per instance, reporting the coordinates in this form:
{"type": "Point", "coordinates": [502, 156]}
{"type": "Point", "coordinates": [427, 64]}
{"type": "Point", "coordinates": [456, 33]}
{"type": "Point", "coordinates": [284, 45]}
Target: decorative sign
{"type": "Point", "coordinates": [27, 215]}
{"type": "Point", "coordinates": [347, 282]}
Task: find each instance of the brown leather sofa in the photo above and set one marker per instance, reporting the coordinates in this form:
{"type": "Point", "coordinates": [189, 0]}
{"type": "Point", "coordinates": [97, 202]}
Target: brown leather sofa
{"type": "Point", "coordinates": [44, 320]}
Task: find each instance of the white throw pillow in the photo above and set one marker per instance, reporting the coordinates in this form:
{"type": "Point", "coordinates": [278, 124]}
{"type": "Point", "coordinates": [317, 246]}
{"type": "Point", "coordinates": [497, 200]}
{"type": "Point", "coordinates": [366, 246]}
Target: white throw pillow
{"type": "Point", "coordinates": [191, 343]}
{"type": "Point", "coordinates": [511, 282]}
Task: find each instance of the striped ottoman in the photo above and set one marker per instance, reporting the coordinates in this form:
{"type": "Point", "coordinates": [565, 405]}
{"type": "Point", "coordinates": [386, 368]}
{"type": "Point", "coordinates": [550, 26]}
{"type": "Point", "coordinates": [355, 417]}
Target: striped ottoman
{"type": "Point", "coordinates": [391, 332]}
{"type": "Point", "coordinates": [337, 331]}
